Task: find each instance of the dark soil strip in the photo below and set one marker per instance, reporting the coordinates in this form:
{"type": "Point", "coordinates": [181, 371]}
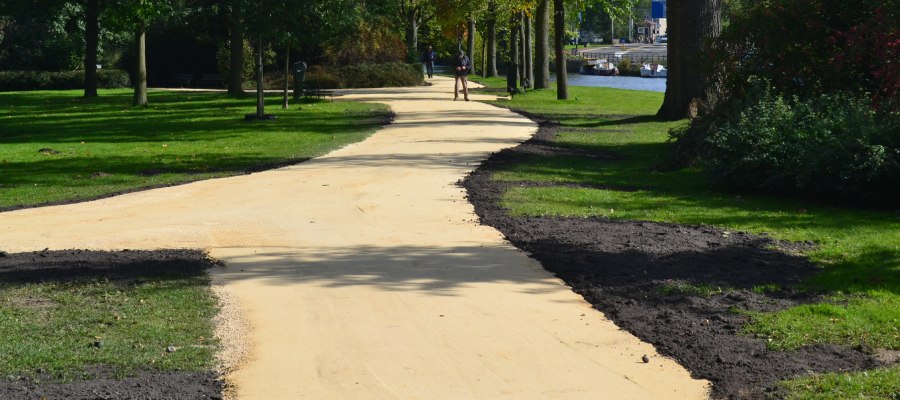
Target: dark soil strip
{"type": "Point", "coordinates": [620, 267]}
{"type": "Point", "coordinates": [125, 267]}
{"type": "Point", "coordinates": [145, 385]}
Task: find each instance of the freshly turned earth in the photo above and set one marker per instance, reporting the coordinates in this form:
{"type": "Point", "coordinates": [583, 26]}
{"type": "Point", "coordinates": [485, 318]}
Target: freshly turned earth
{"type": "Point", "coordinates": [44, 266]}
{"type": "Point", "coordinates": [619, 267]}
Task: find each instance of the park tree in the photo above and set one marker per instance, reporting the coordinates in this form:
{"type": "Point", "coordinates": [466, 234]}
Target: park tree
{"type": "Point", "coordinates": [458, 17]}
{"type": "Point", "coordinates": [236, 48]}
{"type": "Point", "coordinates": [413, 13]}
{"type": "Point", "coordinates": [512, 72]}
{"type": "Point", "coordinates": [690, 24]}
{"type": "Point", "coordinates": [262, 24]}
{"type": "Point", "coordinates": [91, 46]}
{"type": "Point", "coordinates": [542, 45]}
{"type": "Point", "coordinates": [527, 50]}
{"type": "Point", "coordinates": [88, 33]}
{"type": "Point", "coordinates": [490, 64]}
{"type": "Point", "coordinates": [135, 16]}
{"type": "Point", "coordinates": [310, 22]}
{"type": "Point", "coordinates": [613, 7]}
{"type": "Point", "coordinates": [559, 43]}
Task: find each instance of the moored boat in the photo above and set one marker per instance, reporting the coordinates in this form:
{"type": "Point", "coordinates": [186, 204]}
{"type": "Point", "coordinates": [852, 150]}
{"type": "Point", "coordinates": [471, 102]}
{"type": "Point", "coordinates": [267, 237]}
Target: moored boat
{"type": "Point", "coordinates": [601, 66]}
{"type": "Point", "coordinates": [654, 71]}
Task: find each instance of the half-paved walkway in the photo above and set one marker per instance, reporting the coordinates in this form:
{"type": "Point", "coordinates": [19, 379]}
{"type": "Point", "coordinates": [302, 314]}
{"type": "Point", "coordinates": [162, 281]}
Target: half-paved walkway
{"type": "Point", "coordinates": [365, 275]}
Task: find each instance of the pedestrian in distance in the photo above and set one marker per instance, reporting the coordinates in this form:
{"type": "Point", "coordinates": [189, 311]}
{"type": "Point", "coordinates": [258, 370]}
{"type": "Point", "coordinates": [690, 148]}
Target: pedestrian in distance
{"type": "Point", "coordinates": [461, 69]}
{"type": "Point", "coordinates": [428, 58]}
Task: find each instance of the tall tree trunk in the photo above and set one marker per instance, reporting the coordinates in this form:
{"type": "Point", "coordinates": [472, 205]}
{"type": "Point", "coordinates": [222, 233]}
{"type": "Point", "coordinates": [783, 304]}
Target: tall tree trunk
{"type": "Point", "coordinates": [260, 84]}
{"type": "Point", "coordinates": [287, 76]}
{"type": "Point", "coordinates": [491, 63]}
{"type": "Point", "coordinates": [140, 76]}
{"type": "Point", "coordinates": [236, 64]}
{"type": "Point", "coordinates": [559, 32]}
{"type": "Point", "coordinates": [512, 71]}
{"type": "Point", "coordinates": [630, 29]}
{"type": "Point", "coordinates": [542, 46]}
{"type": "Point", "coordinates": [471, 41]}
{"type": "Point", "coordinates": [529, 61]}
{"type": "Point", "coordinates": [521, 59]}
{"type": "Point", "coordinates": [612, 30]}
{"type": "Point", "coordinates": [690, 24]}
{"type": "Point", "coordinates": [484, 70]}
{"type": "Point", "coordinates": [412, 34]}
{"type": "Point", "coordinates": [91, 43]}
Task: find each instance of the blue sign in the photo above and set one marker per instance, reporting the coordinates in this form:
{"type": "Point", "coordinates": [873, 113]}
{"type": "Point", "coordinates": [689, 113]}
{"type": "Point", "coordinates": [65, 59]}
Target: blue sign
{"type": "Point", "coordinates": [658, 9]}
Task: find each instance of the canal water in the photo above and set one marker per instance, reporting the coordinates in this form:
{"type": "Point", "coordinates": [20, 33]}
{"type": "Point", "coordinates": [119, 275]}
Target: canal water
{"type": "Point", "coordinates": [618, 82]}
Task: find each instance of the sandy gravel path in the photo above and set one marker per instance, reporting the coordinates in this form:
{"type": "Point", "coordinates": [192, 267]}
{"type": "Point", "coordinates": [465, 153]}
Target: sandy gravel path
{"type": "Point", "coordinates": [364, 274]}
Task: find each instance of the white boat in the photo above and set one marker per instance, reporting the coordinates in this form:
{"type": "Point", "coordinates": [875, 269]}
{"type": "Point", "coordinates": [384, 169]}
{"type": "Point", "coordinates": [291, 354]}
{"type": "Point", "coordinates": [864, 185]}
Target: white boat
{"type": "Point", "coordinates": [606, 68]}
{"type": "Point", "coordinates": [593, 66]}
{"type": "Point", "coordinates": [654, 71]}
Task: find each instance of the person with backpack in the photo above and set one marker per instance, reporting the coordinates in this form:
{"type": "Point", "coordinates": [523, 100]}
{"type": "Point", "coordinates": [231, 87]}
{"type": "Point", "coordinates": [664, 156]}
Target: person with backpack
{"type": "Point", "coordinates": [428, 58]}
{"type": "Point", "coordinates": [461, 67]}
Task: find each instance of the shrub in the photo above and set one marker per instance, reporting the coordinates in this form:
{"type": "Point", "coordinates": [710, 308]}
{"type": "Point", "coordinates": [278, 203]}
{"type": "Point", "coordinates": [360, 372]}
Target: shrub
{"type": "Point", "coordinates": [573, 63]}
{"type": "Point", "coordinates": [807, 47]}
{"type": "Point", "coordinates": [380, 75]}
{"type": "Point", "coordinates": [40, 80]}
{"type": "Point", "coordinates": [628, 67]}
{"type": "Point", "coordinates": [113, 79]}
{"type": "Point", "coordinates": [326, 79]}
{"type": "Point", "coordinates": [368, 75]}
{"type": "Point", "coordinates": [832, 146]}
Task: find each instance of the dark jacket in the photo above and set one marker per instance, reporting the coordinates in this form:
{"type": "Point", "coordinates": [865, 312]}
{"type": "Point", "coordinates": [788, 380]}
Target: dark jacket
{"type": "Point", "coordinates": [464, 63]}
{"type": "Point", "coordinates": [429, 57]}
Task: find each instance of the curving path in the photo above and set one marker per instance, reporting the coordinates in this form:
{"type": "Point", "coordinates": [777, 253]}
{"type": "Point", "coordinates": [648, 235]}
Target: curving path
{"type": "Point", "coordinates": [364, 273]}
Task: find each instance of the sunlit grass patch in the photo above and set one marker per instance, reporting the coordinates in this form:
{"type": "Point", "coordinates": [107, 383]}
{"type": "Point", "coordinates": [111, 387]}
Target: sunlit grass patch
{"type": "Point", "coordinates": [57, 146]}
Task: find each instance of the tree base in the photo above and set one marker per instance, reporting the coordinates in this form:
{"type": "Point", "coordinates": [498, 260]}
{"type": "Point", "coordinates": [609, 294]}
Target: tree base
{"type": "Point", "coordinates": [264, 117]}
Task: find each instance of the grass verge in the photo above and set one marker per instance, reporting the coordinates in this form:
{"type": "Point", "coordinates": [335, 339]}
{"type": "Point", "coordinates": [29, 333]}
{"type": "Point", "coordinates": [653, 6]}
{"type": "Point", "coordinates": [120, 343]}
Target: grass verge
{"type": "Point", "coordinates": [56, 146]}
{"type": "Point", "coordinates": [858, 250]}
{"type": "Point", "coordinates": [153, 314]}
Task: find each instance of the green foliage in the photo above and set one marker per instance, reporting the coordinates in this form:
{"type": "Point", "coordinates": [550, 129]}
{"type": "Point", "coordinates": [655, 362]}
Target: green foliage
{"type": "Point", "coordinates": [832, 146]}
{"type": "Point", "coordinates": [48, 37]}
{"type": "Point", "coordinates": [370, 42]}
{"type": "Point", "coordinates": [223, 60]}
{"type": "Point", "coordinates": [368, 75]}
{"type": "Point", "coordinates": [39, 80]}
{"type": "Point", "coordinates": [806, 47]}
{"type": "Point", "coordinates": [326, 77]}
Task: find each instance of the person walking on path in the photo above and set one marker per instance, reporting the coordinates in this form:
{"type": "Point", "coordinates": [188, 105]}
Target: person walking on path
{"type": "Point", "coordinates": [428, 58]}
{"type": "Point", "coordinates": [462, 71]}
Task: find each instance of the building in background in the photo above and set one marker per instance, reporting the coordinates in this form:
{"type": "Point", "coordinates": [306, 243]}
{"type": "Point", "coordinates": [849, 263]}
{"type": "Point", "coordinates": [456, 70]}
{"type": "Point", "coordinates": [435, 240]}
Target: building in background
{"type": "Point", "coordinates": [658, 16]}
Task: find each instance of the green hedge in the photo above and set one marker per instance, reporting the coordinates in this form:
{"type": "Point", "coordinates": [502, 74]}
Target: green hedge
{"type": "Point", "coordinates": [368, 75]}
{"type": "Point", "coordinates": [41, 80]}
{"type": "Point", "coordinates": [830, 146]}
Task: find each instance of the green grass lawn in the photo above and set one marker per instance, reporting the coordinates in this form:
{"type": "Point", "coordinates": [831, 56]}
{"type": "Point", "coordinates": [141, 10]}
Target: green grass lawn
{"type": "Point", "coordinates": [859, 250]}
{"type": "Point", "coordinates": [64, 328]}
{"type": "Point", "coordinates": [104, 145]}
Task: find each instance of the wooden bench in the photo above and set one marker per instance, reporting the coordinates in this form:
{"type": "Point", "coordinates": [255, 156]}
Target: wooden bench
{"type": "Point", "coordinates": [311, 89]}
{"type": "Point", "coordinates": [180, 80]}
